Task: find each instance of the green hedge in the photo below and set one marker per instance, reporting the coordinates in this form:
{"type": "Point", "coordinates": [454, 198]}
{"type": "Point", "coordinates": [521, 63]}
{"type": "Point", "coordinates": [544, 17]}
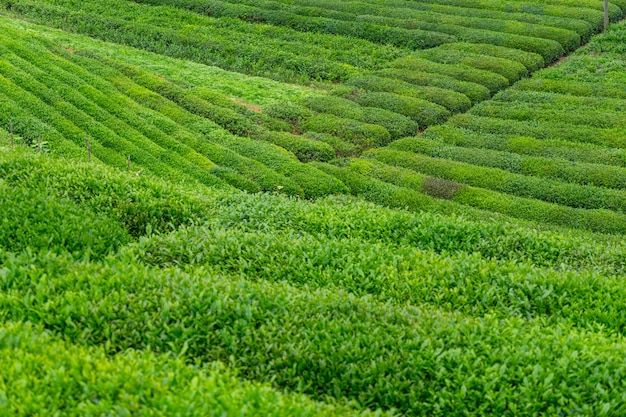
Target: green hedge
{"type": "Point", "coordinates": [475, 92]}
{"type": "Point", "coordinates": [35, 220]}
{"type": "Point", "coordinates": [613, 138]}
{"type": "Point", "coordinates": [289, 112]}
{"type": "Point", "coordinates": [341, 146]}
{"type": "Point", "coordinates": [549, 49]}
{"type": "Point", "coordinates": [380, 192]}
{"type": "Point", "coordinates": [524, 145]}
{"type": "Point", "coordinates": [560, 102]}
{"type": "Point", "coordinates": [44, 375]}
{"type": "Point", "coordinates": [125, 305]}
{"type": "Point", "coordinates": [576, 88]}
{"type": "Point", "coordinates": [236, 179]}
{"type": "Point", "coordinates": [170, 119]}
{"type": "Point", "coordinates": [494, 82]}
{"type": "Point", "coordinates": [603, 221]}
{"type": "Point", "coordinates": [313, 182]}
{"type": "Point", "coordinates": [227, 118]}
{"type": "Point", "coordinates": [347, 10]}
{"type": "Point", "coordinates": [100, 126]}
{"type": "Point", "coordinates": [283, 53]}
{"type": "Point", "coordinates": [362, 135]}
{"type": "Point", "coordinates": [451, 100]}
{"type": "Point", "coordinates": [594, 17]}
{"type": "Point", "coordinates": [573, 195]}
{"type": "Point", "coordinates": [143, 204]}
{"type": "Point", "coordinates": [567, 38]}
{"type": "Point", "coordinates": [509, 69]}
{"type": "Point", "coordinates": [304, 148]}
{"type": "Point", "coordinates": [423, 112]}
{"type": "Point", "coordinates": [530, 60]}
{"type": "Point", "coordinates": [413, 39]}
{"type": "Point", "coordinates": [27, 128]}
{"type": "Point", "coordinates": [140, 204]}
{"type": "Point", "coordinates": [398, 274]}
{"type": "Point", "coordinates": [397, 125]}
{"type": "Point", "coordinates": [551, 168]}
{"type": "Point", "coordinates": [545, 112]}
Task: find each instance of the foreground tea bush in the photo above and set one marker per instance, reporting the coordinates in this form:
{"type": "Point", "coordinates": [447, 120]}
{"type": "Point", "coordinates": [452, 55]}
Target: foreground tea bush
{"type": "Point", "coordinates": [144, 205]}
{"type": "Point", "coordinates": [43, 375]}
{"type": "Point", "coordinates": [552, 191]}
{"type": "Point", "coordinates": [324, 343]}
{"type": "Point", "coordinates": [396, 273]}
{"type": "Point", "coordinates": [526, 145]}
{"type": "Point", "coordinates": [34, 219]}
{"type": "Point", "coordinates": [553, 168]}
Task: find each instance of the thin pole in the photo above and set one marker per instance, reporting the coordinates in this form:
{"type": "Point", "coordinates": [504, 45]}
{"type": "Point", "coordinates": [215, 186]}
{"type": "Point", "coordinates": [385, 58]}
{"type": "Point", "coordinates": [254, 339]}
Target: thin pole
{"type": "Point", "coordinates": [88, 148]}
{"type": "Point", "coordinates": [128, 163]}
{"type": "Point", "coordinates": [606, 14]}
{"type": "Point", "coordinates": [39, 144]}
{"type": "Point", "coordinates": [11, 130]}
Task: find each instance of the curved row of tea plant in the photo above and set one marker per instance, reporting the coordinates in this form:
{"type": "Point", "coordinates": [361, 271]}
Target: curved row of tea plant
{"type": "Point", "coordinates": [558, 137]}
{"type": "Point", "coordinates": [42, 375]}
{"type": "Point", "coordinates": [330, 41]}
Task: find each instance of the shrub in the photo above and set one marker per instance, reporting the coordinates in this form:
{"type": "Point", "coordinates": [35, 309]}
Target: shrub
{"type": "Point", "coordinates": [453, 101]}
{"type": "Point", "coordinates": [279, 16]}
{"type": "Point", "coordinates": [396, 124]}
{"type": "Point", "coordinates": [573, 195]}
{"type": "Point", "coordinates": [289, 112]}
{"type": "Point", "coordinates": [438, 188]}
{"type": "Point", "coordinates": [234, 178]}
{"type": "Point", "coordinates": [88, 381]}
{"type": "Point", "coordinates": [341, 147]}
{"type": "Point", "coordinates": [311, 181]}
{"type": "Point", "coordinates": [551, 168]}
{"type": "Point", "coordinates": [530, 60]}
{"type": "Point", "coordinates": [217, 313]}
{"type": "Point", "coordinates": [303, 148]}
{"type": "Point", "coordinates": [421, 111]}
{"type": "Point", "coordinates": [511, 70]}
{"type": "Point", "coordinates": [35, 220]}
{"type": "Point", "coordinates": [576, 88]}
{"type": "Point", "coordinates": [378, 191]}
{"type": "Point", "coordinates": [538, 112]}
{"type": "Point", "coordinates": [546, 130]}
{"type": "Point", "coordinates": [475, 92]}
{"type": "Point", "coordinates": [285, 53]}
{"type": "Point", "coordinates": [494, 82]}
{"type": "Point", "coordinates": [549, 49]}
{"type": "Point", "coordinates": [594, 17]}
{"type": "Point", "coordinates": [362, 135]}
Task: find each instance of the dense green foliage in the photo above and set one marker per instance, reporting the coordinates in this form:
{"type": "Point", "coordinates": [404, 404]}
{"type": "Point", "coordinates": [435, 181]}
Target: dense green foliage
{"type": "Point", "coordinates": [312, 207]}
{"type": "Point", "coordinates": [177, 294]}
{"type": "Point", "coordinates": [41, 375]}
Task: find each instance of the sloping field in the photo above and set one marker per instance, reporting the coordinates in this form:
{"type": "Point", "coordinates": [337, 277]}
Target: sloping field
{"type": "Point", "coordinates": [550, 149]}
{"type": "Point", "coordinates": [312, 207]}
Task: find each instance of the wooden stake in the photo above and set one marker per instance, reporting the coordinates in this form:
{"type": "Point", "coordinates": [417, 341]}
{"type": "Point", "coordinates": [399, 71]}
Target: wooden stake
{"type": "Point", "coordinates": [11, 130]}
{"type": "Point", "coordinates": [606, 14]}
{"type": "Point", "coordinates": [128, 163]}
{"type": "Point", "coordinates": [39, 144]}
{"type": "Point", "coordinates": [88, 148]}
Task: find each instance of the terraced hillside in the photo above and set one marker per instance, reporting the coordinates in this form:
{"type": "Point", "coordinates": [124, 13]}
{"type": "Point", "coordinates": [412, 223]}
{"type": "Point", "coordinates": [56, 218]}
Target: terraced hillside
{"type": "Point", "coordinates": [312, 207]}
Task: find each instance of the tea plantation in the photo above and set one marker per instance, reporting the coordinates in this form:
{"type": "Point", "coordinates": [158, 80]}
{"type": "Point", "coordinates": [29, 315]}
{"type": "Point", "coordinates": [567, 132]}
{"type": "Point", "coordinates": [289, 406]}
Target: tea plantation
{"type": "Point", "coordinates": [312, 207]}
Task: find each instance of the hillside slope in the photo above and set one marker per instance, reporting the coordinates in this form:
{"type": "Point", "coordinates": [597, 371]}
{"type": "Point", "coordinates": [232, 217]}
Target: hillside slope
{"type": "Point", "coordinates": [312, 207]}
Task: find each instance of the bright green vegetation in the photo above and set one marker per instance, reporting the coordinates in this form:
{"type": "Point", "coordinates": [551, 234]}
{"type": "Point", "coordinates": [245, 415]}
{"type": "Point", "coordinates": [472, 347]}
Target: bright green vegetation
{"type": "Point", "coordinates": [312, 207]}
{"type": "Point", "coordinates": [337, 281]}
{"type": "Point", "coordinates": [41, 374]}
{"type": "Point", "coordinates": [457, 51]}
{"type": "Point", "coordinates": [549, 149]}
